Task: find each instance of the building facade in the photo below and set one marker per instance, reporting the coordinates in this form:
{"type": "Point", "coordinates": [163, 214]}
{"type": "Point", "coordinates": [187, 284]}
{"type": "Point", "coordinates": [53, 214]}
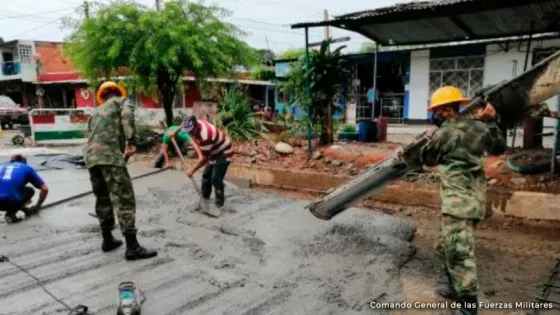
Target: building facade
{"type": "Point", "coordinates": [404, 79]}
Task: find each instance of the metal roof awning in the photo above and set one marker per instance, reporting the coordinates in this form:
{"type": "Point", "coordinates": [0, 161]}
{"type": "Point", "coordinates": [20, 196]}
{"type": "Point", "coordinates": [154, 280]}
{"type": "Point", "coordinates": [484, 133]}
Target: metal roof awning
{"type": "Point", "coordinates": [425, 22]}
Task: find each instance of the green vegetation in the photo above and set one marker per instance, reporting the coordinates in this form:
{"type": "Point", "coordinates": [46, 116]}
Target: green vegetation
{"type": "Point", "coordinates": [235, 116]}
{"type": "Point", "coordinates": [327, 71]}
{"type": "Point", "coordinates": [155, 49]}
{"type": "Point", "coordinates": [264, 73]}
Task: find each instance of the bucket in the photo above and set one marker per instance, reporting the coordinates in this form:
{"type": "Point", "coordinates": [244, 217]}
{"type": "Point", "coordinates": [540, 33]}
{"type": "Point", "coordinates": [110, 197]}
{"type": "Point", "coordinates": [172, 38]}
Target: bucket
{"type": "Point", "coordinates": [382, 123]}
{"type": "Point", "coordinates": [367, 131]}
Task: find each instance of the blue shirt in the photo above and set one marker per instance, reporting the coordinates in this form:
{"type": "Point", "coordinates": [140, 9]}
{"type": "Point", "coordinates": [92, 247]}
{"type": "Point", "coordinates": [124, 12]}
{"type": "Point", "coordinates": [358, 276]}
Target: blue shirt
{"type": "Point", "coordinates": [14, 177]}
{"type": "Point", "coordinates": [371, 96]}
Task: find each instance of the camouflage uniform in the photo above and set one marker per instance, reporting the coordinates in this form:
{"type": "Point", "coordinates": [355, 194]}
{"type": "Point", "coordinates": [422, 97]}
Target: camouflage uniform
{"type": "Point", "coordinates": [109, 129]}
{"type": "Point", "coordinates": [458, 147]}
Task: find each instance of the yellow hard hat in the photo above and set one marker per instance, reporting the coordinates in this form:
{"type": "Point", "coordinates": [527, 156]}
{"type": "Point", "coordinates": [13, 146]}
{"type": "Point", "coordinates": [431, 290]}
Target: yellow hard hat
{"type": "Point", "coordinates": [104, 87]}
{"type": "Point", "coordinates": [447, 95]}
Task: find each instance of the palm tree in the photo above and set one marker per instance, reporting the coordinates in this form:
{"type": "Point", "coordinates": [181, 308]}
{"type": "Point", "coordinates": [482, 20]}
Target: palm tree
{"type": "Point", "coordinates": [327, 71]}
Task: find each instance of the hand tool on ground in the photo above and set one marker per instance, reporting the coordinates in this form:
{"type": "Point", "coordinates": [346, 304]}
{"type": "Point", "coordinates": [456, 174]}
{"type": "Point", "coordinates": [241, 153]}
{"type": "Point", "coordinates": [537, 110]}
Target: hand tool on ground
{"type": "Point", "coordinates": [512, 100]}
{"type": "Point", "coordinates": [129, 297]}
{"type": "Point", "coordinates": [203, 203]}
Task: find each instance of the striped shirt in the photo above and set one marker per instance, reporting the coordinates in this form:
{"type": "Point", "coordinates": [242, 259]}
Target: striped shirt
{"type": "Point", "coordinates": [212, 141]}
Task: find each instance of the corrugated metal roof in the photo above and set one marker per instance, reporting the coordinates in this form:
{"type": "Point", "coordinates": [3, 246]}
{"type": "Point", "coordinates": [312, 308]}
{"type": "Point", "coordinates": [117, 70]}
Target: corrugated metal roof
{"type": "Point", "coordinates": [424, 22]}
{"type": "Point", "coordinates": [403, 7]}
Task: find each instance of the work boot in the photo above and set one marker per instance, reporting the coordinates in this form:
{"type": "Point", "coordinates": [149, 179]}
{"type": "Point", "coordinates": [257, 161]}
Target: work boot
{"type": "Point", "coordinates": [10, 217]}
{"type": "Point", "coordinates": [220, 197]}
{"type": "Point", "coordinates": [446, 290]}
{"type": "Point", "coordinates": [206, 191]}
{"type": "Point", "coordinates": [109, 242]}
{"type": "Point", "coordinates": [469, 305]}
{"type": "Point", "coordinates": [134, 251]}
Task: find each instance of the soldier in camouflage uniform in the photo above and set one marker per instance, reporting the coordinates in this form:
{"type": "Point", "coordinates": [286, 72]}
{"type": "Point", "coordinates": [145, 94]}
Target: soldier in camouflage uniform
{"type": "Point", "coordinates": [111, 134]}
{"type": "Point", "coordinates": [458, 146]}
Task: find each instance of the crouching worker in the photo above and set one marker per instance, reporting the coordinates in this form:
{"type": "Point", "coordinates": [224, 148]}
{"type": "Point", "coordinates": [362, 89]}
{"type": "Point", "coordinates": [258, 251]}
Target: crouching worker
{"type": "Point", "coordinates": [111, 136]}
{"type": "Point", "coordinates": [182, 138]}
{"type": "Point", "coordinates": [15, 195]}
{"type": "Point", "coordinates": [214, 151]}
{"type": "Point", "coordinates": [458, 147]}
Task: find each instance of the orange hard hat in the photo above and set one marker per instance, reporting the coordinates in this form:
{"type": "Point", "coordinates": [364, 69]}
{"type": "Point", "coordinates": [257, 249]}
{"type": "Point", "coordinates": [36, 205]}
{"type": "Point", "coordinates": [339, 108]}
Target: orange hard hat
{"type": "Point", "coordinates": [106, 86]}
{"type": "Point", "coordinates": [447, 95]}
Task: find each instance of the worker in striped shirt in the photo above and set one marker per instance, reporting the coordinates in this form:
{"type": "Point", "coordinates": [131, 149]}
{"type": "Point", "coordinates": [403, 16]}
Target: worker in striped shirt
{"type": "Point", "coordinates": [216, 151]}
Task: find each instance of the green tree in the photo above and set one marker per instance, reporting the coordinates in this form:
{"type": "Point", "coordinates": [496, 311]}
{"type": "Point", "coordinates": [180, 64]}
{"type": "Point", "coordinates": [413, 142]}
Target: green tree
{"type": "Point", "coordinates": [264, 73]}
{"type": "Point", "coordinates": [327, 73]}
{"type": "Point", "coordinates": [295, 53]}
{"type": "Point", "coordinates": [157, 48]}
{"type": "Point", "coordinates": [265, 57]}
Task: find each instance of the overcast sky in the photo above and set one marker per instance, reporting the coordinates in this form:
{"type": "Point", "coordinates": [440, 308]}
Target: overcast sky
{"type": "Point", "coordinates": [267, 21]}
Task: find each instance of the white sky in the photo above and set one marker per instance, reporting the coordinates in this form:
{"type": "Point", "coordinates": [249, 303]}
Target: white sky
{"type": "Point", "coordinates": [263, 19]}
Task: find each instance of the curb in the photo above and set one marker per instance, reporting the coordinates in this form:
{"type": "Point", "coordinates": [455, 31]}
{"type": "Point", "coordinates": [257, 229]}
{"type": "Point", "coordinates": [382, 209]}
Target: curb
{"type": "Point", "coordinates": [522, 204]}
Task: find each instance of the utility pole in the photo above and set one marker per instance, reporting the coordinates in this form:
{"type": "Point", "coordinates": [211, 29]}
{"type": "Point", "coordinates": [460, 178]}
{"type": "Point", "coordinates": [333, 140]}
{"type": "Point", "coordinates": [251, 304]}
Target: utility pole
{"type": "Point", "coordinates": [326, 18]}
{"type": "Point", "coordinates": [158, 5]}
{"type": "Point", "coordinates": [86, 9]}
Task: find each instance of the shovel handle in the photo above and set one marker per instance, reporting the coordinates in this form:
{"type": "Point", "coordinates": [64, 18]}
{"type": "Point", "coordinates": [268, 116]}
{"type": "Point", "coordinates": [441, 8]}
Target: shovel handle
{"type": "Point", "coordinates": [195, 185]}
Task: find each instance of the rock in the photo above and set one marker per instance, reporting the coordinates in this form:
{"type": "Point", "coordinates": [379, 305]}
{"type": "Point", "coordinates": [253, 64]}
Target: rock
{"type": "Point", "coordinates": [336, 163]}
{"type": "Point", "coordinates": [354, 171]}
{"type": "Point", "coordinates": [519, 181]}
{"type": "Point", "coordinates": [283, 148]}
{"type": "Point", "coordinates": [252, 160]}
{"type": "Point", "coordinates": [492, 181]}
{"type": "Point", "coordinates": [350, 166]}
{"type": "Point", "coordinates": [327, 160]}
{"type": "Point", "coordinates": [253, 153]}
{"type": "Point", "coordinates": [336, 147]}
{"type": "Point", "coordinates": [317, 155]}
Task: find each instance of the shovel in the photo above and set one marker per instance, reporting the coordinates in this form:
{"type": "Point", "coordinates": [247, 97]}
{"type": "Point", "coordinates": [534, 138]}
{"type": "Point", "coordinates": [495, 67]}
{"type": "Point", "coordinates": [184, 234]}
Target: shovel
{"type": "Point", "coordinates": [203, 203]}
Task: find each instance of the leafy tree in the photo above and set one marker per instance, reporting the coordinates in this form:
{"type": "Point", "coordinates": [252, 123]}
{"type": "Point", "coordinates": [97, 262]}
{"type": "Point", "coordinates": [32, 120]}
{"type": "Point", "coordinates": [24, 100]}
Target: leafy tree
{"type": "Point", "coordinates": [326, 74]}
{"type": "Point", "coordinates": [295, 53]}
{"type": "Point", "coordinates": [264, 73]}
{"type": "Point", "coordinates": [367, 47]}
{"type": "Point", "coordinates": [157, 48]}
{"type": "Point", "coordinates": [265, 56]}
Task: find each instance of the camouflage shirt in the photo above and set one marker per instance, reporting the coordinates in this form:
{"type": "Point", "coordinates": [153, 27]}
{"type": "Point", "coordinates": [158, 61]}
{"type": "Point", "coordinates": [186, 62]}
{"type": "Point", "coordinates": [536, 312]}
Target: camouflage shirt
{"type": "Point", "coordinates": [458, 147]}
{"type": "Point", "coordinates": [110, 128]}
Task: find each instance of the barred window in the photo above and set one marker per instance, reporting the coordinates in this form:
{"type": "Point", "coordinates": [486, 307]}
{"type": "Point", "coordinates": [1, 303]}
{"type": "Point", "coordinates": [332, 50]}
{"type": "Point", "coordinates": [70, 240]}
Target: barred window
{"type": "Point", "coordinates": [24, 52]}
{"type": "Point", "coordinates": [466, 73]}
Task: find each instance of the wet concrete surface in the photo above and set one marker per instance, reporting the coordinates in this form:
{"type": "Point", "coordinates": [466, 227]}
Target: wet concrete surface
{"type": "Point", "coordinates": [264, 255]}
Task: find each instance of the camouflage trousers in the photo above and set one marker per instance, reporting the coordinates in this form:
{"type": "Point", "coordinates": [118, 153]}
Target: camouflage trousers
{"type": "Point", "coordinates": [455, 245]}
{"type": "Point", "coordinates": [112, 187]}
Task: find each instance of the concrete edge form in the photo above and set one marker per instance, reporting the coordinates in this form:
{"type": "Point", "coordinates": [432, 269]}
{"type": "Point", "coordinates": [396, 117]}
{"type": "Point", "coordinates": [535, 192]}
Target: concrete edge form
{"type": "Point", "coordinates": [80, 195]}
{"type": "Point", "coordinates": [522, 204]}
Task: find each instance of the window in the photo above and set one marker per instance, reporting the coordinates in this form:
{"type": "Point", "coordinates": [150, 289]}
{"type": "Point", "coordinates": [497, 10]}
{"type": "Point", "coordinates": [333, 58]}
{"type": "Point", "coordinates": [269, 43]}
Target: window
{"type": "Point", "coordinates": [24, 52]}
{"type": "Point", "coordinates": [466, 73]}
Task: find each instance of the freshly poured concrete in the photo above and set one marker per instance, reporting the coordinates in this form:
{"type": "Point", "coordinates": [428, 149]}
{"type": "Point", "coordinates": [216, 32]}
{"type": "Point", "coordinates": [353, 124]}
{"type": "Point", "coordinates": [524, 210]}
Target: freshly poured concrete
{"type": "Point", "coordinates": [264, 255]}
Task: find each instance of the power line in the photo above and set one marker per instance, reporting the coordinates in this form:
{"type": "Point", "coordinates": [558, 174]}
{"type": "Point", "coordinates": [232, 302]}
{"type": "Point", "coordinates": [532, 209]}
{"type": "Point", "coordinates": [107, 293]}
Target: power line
{"type": "Point", "coordinates": [25, 17]}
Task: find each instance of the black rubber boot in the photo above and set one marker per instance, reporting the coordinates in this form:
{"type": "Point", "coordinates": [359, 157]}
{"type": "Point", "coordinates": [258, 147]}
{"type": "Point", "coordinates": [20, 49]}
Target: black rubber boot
{"type": "Point", "coordinates": [11, 218]}
{"type": "Point", "coordinates": [109, 242]}
{"type": "Point", "coordinates": [446, 290]}
{"type": "Point", "coordinates": [206, 191]}
{"type": "Point", "coordinates": [220, 197]}
{"type": "Point", "coordinates": [134, 251]}
{"type": "Point", "coordinates": [469, 305]}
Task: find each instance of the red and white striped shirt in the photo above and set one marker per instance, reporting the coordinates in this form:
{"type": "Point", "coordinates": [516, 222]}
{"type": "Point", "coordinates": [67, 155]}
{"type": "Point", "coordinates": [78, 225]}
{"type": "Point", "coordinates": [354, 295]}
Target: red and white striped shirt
{"type": "Point", "coordinates": [212, 141]}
